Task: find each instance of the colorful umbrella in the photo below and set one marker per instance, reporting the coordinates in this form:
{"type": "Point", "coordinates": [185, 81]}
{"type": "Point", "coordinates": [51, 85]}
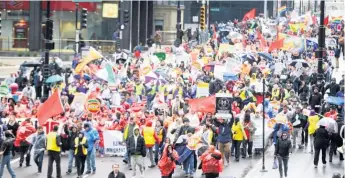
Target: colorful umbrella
{"type": "Point", "coordinates": [266, 56]}
{"type": "Point", "coordinates": [54, 78]}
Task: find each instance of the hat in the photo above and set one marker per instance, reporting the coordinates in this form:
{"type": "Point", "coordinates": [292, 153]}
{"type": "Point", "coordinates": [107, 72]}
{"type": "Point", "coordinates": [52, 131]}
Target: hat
{"type": "Point", "coordinates": [86, 125]}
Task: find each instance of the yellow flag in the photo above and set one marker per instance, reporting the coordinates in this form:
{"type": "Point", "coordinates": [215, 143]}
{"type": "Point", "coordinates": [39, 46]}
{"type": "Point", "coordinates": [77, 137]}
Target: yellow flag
{"type": "Point", "coordinates": [93, 55]}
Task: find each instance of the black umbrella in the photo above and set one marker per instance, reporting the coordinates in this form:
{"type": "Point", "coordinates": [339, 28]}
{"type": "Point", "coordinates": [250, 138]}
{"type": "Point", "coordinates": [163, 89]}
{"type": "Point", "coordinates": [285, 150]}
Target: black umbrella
{"type": "Point", "coordinates": [299, 62]}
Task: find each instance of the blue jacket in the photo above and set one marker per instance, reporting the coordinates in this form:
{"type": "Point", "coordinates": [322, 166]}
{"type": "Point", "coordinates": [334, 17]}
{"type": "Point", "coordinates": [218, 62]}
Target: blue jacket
{"type": "Point", "coordinates": [91, 136]}
{"type": "Point", "coordinates": [284, 129]}
{"type": "Point", "coordinates": [224, 131]}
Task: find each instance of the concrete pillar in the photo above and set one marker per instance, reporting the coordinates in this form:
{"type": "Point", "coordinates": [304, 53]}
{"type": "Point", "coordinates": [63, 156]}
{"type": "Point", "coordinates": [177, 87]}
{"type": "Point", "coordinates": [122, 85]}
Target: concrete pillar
{"type": "Point", "coordinates": [35, 25]}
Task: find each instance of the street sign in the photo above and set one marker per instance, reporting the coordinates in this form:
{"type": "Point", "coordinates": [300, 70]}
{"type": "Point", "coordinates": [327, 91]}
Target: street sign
{"type": "Point", "coordinates": [195, 18]}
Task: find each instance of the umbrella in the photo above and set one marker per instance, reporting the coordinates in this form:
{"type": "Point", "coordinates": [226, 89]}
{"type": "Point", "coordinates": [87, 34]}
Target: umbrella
{"type": "Point", "coordinates": [85, 77]}
{"type": "Point", "coordinates": [248, 56]}
{"type": "Point", "coordinates": [329, 123]}
{"type": "Point", "coordinates": [230, 77]}
{"type": "Point", "coordinates": [297, 63]}
{"type": "Point", "coordinates": [335, 100]}
{"type": "Point", "coordinates": [266, 56]}
{"type": "Point", "coordinates": [235, 35]}
{"type": "Point", "coordinates": [54, 78]}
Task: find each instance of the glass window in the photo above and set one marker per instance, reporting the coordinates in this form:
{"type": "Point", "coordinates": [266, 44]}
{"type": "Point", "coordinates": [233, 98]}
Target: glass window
{"type": "Point", "coordinates": [159, 24]}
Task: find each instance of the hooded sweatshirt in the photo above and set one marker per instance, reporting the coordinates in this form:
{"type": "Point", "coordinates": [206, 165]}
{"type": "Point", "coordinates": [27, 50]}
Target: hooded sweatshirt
{"type": "Point", "coordinates": [91, 136]}
{"type": "Point", "coordinates": [39, 143]}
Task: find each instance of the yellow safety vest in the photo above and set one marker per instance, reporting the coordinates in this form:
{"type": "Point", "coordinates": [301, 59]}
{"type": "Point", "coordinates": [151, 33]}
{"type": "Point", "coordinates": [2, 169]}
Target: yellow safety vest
{"type": "Point", "coordinates": [139, 89]}
{"type": "Point", "coordinates": [153, 90]}
{"type": "Point", "coordinates": [162, 89]}
{"type": "Point", "coordinates": [160, 135]}
{"type": "Point", "coordinates": [149, 135]}
{"type": "Point", "coordinates": [287, 94]}
{"type": "Point", "coordinates": [76, 142]}
{"type": "Point", "coordinates": [51, 142]}
{"type": "Point", "coordinates": [275, 93]}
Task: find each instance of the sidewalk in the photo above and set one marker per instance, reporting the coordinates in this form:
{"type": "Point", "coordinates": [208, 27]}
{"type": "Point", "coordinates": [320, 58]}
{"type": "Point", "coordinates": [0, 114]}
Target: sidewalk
{"type": "Point", "coordinates": [300, 166]}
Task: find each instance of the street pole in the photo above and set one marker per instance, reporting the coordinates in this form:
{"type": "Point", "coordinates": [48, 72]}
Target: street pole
{"type": "Point", "coordinates": [208, 12]}
{"type": "Point", "coordinates": [46, 71]}
{"type": "Point", "coordinates": [77, 32]}
{"type": "Point", "coordinates": [263, 126]}
{"type": "Point", "coordinates": [178, 25]}
{"type": "Point", "coordinates": [265, 9]}
{"type": "Point", "coordinates": [321, 48]}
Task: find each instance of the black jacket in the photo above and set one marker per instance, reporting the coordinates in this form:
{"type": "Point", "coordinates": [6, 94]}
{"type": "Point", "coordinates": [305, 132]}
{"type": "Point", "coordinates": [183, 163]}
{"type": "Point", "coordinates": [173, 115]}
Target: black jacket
{"type": "Point", "coordinates": [322, 138]}
{"type": "Point", "coordinates": [71, 137]}
{"type": "Point", "coordinates": [283, 147]}
{"type": "Point", "coordinates": [315, 99]}
{"type": "Point", "coordinates": [141, 148]}
{"type": "Point", "coordinates": [119, 175]}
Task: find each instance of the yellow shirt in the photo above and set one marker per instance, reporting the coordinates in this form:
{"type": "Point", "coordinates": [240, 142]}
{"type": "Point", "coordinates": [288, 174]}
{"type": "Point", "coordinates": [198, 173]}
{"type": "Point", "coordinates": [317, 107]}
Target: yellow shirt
{"type": "Point", "coordinates": [312, 120]}
{"type": "Point", "coordinates": [237, 131]}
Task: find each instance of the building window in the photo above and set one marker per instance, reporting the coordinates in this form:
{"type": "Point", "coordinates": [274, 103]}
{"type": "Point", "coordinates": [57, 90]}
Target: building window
{"type": "Point", "coordinates": [159, 24]}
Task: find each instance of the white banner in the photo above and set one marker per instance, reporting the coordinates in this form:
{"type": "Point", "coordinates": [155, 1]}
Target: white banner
{"type": "Point", "coordinates": [113, 143]}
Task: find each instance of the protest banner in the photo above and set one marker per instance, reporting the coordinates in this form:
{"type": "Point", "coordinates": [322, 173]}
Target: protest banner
{"type": "Point", "coordinates": [113, 143]}
{"type": "Point", "coordinates": [202, 90]}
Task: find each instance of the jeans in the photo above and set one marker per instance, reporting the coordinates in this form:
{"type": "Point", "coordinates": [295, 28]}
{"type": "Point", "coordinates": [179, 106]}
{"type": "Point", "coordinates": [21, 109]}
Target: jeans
{"type": "Point", "coordinates": [151, 155]}
{"type": "Point", "coordinates": [237, 146]}
{"type": "Point", "coordinates": [6, 160]}
{"type": "Point", "coordinates": [283, 161]}
{"type": "Point", "coordinates": [311, 141]}
{"type": "Point", "coordinates": [91, 161]}
{"type": "Point", "coordinates": [224, 148]}
{"type": "Point", "coordinates": [70, 160]}
{"type": "Point", "coordinates": [247, 147]}
{"type": "Point", "coordinates": [54, 156]}
{"type": "Point", "coordinates": [80, 164]}
{"type": "Point", "coordinates": [188, 164]}
{"type": "Point", "coordinates": [137, 160]}
{"type": "Point", "coordinates": [317, 155]}
{"type": "Point", "coordinates": [128, 158]}
{"type": "Point", "coordinates": [24, 150]}
{"type": "Point", "coordinates": [296, 132]}
{"type": "Point", "coordinates": [304, 136]}
{"type": "Point", "coordinates": [157, 147]}
{"type": "Point", "coordinates": [39, 160]}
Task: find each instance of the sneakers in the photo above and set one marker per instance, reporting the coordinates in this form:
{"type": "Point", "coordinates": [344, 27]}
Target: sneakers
{"type": "Point", "coordinates": [142, 175]}
{"type": "Point", "coordinates": [125, 161]}
{"type": "Point", "coordinates": [88, 172]}
{"type": "Point", "coordinates": [69, 172]}
{"type": "Point", "coordinates": [315, 166]}
{"type": "Point", "coordinates": [152, 166]}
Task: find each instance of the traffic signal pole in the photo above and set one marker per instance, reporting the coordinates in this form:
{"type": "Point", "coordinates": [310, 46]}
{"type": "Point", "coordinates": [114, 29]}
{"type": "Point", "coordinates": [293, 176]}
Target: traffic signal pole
{"type": "Point", "coordinates": [77, 32]}
{"type": "Point", "coordinates": [321, 50]}
{"type": "Point", "coordinates": [46, 71]}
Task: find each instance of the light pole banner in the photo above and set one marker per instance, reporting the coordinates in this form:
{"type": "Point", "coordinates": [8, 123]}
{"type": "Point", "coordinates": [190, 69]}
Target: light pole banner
{"type": "Point", "coordinates": [113, 143]}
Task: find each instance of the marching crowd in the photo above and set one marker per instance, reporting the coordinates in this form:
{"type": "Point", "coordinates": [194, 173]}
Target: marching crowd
{"type": "Point", "coordinates": [158, 121]}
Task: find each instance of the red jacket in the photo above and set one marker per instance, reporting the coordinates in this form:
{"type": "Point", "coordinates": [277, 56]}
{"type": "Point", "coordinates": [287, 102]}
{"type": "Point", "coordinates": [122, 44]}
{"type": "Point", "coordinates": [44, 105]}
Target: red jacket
{"type": "Point", "coordinates": [24, 130]}
{"type": "Point", "coordinates": [211, 164]}
{"type": "Point", "coordinates": [166, 164]}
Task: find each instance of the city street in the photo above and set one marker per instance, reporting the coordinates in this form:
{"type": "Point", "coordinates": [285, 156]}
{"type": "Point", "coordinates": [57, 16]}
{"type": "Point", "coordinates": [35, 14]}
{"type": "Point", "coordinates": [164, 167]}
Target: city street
{"type": "Point", "coordinates": [235, 169]}
{"type": "Point", "coordinates": [300, 166]}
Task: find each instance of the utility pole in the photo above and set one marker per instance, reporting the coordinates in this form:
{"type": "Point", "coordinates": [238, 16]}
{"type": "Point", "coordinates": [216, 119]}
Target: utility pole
{"type": "Point", "coordinates": [48, 46]}
{"type": "Point", "coordinates": [265, 9]}
{"type": "Point", "coordinates": [178, 25]}
{"type": "Point", "coordinates": [321, 49]}
{"type": "Point", "coordinates": [77, 32]}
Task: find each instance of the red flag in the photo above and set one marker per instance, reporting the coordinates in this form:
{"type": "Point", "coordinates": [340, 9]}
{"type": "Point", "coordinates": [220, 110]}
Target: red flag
{"type": "Point", "coordinates": [207, 104]}
{"type": "Point", "coordinates": [325, 21]}
{"type": "Point", "coordinates": [50, 108]}
{"type": "Point", "coordinates": [261, 39]}
{"type": "Point", "coordinates": [276, 45]}
{"type": "Point", "coordinates": [249, 15]}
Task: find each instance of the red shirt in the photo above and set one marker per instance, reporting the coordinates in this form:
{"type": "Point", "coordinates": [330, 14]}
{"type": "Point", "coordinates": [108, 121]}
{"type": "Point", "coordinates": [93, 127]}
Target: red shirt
{"type": "Point", "coordinates": [49, 125]}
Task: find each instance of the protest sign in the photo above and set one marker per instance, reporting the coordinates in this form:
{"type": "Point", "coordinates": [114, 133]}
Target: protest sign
{"type": "Point", "coordinates": [202, 89]}
{"type": "Point", "coordinates": [223, 105]}
{"type": "Point", "coordinates": [113, 143]}
{"type": "Point", "coordinates": [233, 65]}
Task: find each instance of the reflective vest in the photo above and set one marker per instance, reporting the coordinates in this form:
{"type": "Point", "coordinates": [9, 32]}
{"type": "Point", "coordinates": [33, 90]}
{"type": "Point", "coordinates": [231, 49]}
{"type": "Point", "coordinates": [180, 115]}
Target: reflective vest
{"type": "Point", "coordinates": [275, 93]}
{"type": "Point", "coordinates": [76, 142]}
{"type": "Point", "coordinates": [149, 135]}
{"type": "Point", "coordinates": [51, 142]}
{"type": "Point", "coordinates": [139, 89]}
{"type": "Point", "coordinates": [162, 89]}
{"type": "Point", "coordinates": [160, 135]}
{"type": "Point", "coordinates": [153, 90]}
{"type": "Point", "coordinates": [287, 94]}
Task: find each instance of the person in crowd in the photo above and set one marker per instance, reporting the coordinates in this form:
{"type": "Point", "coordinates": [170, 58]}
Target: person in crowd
{"type": "Point", "coordinates": [24, 146]}
{"type": "Point", "coordinates": [137, 151]}
{"type": "Point", "coordinates": [92, 138]}
{"type": "Point", "coordinates": [297, 120]}
{"type": "Point", "coordinates": [6, 149]}
{"type": "Point", "coordinates": [283, 149]}
{"type": "Point", "coordinates": [161, 134]}
{"type": "Point", "coordinates": [128, 132]}
{"type": "Point", "coordinates": [72, 134]}
{"type": "Point", "coordinates": [12, 126]}
{"type": "Point", "coordinates": [312, 126]}
{"type": "Point", "coordinates": [333, 87]}
{"type": "Point", "coordinates": [151, 138]}
{"type": "Point", "coordinates": [54, 152]}
{"type": "Point", "coordinates": [29, 91]}
{"type": "Point", "coordinates": [80, 153]}
{"type": "Point", "coordinates": [224, 137]}
{"type": "Point", "coordinates": [167, 163]}
{"type": "Point", "coordinates": [212, 163]}
{"type": "Point", "coordinates": [249, 129]}
{"type": "Point", "coordinates": [115, 173]}
{"type": "Point", "coordinates": [39, 145]}
{"type": "Point", "coordinates": [238, 135]}
{"type": "Point", "coordinates": [321, 143]}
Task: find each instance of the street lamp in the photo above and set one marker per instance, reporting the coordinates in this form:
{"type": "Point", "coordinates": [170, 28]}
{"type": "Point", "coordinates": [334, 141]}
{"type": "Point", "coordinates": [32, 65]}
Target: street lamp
{"type": "Point", "coordinates": [263, 125]}
{"type": "Point", "coordinates": [321, 49]}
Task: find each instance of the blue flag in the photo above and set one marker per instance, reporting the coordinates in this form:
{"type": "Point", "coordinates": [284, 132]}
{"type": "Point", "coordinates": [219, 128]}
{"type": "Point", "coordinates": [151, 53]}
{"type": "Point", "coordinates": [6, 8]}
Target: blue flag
{"type": "Point", "coordinates": [311, 45]}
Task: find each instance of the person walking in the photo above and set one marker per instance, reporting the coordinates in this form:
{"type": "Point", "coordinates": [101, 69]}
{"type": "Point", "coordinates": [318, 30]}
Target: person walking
{"type": "Point", "coordinates": [72, 134]}
{"type": "Point", "coordinates": [80, 152]}
{"type": "Point", "coordinates": [211, 162]}
{"type": "Point", "coordinates": [312, 126]}
{"type": "Point", "coordinates": [116, 172]}
{"type": "Point", "coordinates": [127, 133]}
{"type": "Point", "coordinates": [92, 137]}
{"type": "Point", "coordinates": [6, 149]}
{"type": "Point", "coordinates": [39, 145]}
{"type": "Point", "coordinates": [238, 136]}
{"type": "Point", "coordinates": [54, 151]}
{"type": "Point", "coordinates": [321, 142]}
{"type": "Point", "coordinates": [150, 138]}
{"type": "Point", "coordinates": [283, 148]}
{"type": "Point", "coordinates": [167, 163]}
{"type": "Point", "coordinates": [137, 151]}
{"type": "Point", "coordinates": [249, 129]}
{"type": "Point", "coordinates": [224, 137]}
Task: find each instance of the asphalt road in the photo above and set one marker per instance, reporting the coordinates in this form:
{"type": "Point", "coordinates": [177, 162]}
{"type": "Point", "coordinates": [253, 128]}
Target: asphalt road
{"type": "Point", "coordinates": [236, 169]}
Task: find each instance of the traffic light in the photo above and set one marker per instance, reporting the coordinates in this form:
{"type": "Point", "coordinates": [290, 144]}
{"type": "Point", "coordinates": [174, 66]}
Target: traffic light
{"type": "Point", "coordinates": [49, 26]}
{"type": "Point", "coordinates": [83, 18]}
{"type": "Point", "coordinates": [202, 17]}
{"type": "Point", "coordinates": [126, 16]}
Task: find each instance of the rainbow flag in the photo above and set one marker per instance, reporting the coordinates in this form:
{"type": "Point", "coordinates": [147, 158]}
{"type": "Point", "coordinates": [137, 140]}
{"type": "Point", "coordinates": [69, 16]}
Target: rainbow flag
{"type": "Point", "coordinates": [282, 10]}
{"type": "Point", "coordinates": [337, 19]}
